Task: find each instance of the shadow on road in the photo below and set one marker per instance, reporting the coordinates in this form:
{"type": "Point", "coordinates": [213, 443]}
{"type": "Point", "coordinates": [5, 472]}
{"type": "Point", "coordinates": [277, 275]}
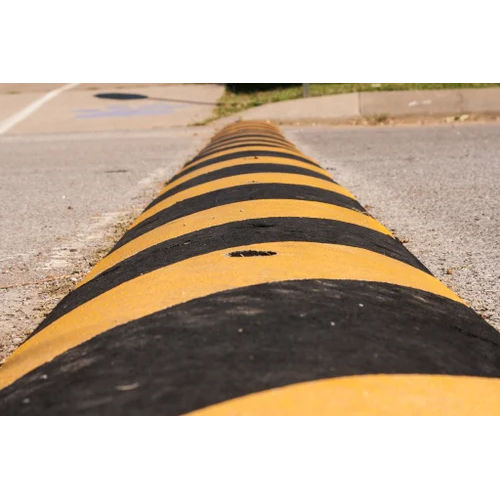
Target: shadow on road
{"type": "Point", "coordinates": [123, 96]}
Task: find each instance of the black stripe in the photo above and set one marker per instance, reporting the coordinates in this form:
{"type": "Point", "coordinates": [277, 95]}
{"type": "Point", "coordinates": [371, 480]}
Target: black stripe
{"type": "Point", "coordinates": [249, 154]}
{"type": "Point", "coordinates": [229, 235]}
{"type": "Point", "coordinates": [183, 173]}
{"type": "Point", "coordinates": [236, 194]}
{"type": "Point", "coordinates": [255, 338]}
{"type": "Point", "coordinates": [252, 168]}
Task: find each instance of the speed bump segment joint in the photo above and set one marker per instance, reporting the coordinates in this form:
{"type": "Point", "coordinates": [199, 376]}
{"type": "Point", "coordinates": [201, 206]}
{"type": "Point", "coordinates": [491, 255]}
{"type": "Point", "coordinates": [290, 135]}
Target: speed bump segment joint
{"type": "Point", "coordinates": [255, 284]}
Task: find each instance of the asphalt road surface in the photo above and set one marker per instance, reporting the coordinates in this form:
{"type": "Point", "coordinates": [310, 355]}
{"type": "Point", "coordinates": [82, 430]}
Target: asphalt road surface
{"type": "Point", "coordinates": [436, 187]}
{"type": "Point", "coordinates": [65, 200]}
{"type": "Point", "coordinates": [73, 174]}
{"type": "Point", "coordinates": [72, 180]}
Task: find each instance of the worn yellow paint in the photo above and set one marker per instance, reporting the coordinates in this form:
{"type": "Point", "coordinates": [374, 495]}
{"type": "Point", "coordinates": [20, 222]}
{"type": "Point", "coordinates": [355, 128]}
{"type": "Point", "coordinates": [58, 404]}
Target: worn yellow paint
{"type": "Point", "coordinates": [231, 163]}
{"type": "Point", "coordinates": [253, 136]}
{"type": "Point", "coordinates": [244, 142]}
{"type": "Point", "coordinates": [254, 125]}
{"type": "Point", "coordinates": [247, 130]}
{"type": "Point", "coordinates": [248, 149]}
{"type": "Point", "coordinates": [250, 136]}
{"type": "Point", "coordinates": [241, 180]}
{"type": "Point", "coordinates": [233, 212]}
{"type": "Point", "coordinates": [204, 275]}
{"type": "Point", "coordinates": [371, 395]}
{"type": "Point", "coordinates": [245, 133]}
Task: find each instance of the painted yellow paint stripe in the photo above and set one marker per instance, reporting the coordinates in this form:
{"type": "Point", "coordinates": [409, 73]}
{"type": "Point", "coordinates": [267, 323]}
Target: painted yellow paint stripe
{"type": "Point", "coordinates": [250, 138]}
{"type": "Point", "coordinates": [275, 136]}
{"type": "Point", "coordinates": [241, 150]}
{"type": "Point", "coordinates": [246, 134]}
{"type": "Point", "coordinates": [248, 126]}
{"type": "Point", "coordinates": [244, 142]}
{"type": "Point", "coordinates": [371, 395]}
{"type": "Point", "coordinates": [249, 149]}
{"type": "Point", "coordinates": [267, 133]}
{"type": "Point", "coordinates": [205, 275]}
{"type": "Point", "coordinates": [251, 123]}
{"type": "Point", "coordinates": [241, 180]}
{"type": "Point", "coordinates": [251, 161]}
{"type": "Point", "coordinates": [233, 212]}
{"type": "Point", "coordinates": [233, 135]}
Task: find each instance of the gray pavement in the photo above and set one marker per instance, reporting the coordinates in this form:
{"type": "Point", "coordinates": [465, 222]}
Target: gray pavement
{"type": "Point", "coordinates": [80, 110]}
{"type": "Point", "coordinates": [73, 174]}
{"type": "Point", "coordinates": [348, 108]}
{"type": "Point", "coordinates": [65, 199]}
{"type": "Point", "coordinates": [436, 187]}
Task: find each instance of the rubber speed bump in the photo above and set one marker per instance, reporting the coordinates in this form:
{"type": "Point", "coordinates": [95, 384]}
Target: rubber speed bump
{"type": "Point", "coordinates": [255, 284]}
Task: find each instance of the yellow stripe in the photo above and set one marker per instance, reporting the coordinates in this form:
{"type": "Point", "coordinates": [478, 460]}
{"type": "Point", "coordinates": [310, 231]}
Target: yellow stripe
{"type": "Point", "coordinates": [247, 133]}
{"type": "Point", "coordinates": [242, 180]}
{"type": "Point", "coordinates": [233, 212]}
{"type": "Point", "coordinates": [204, 275]}
{"type": "Point", "coordinates": [234, 135]}
{"type": "Point", "coordinates": [248, 126]}
{"type": "Point", "coordinates": [231, 163]}
{"type": "Point", "coordinates": [248, 136]}
{"type": "Point", "coordinates": [249, 149]}
{"type": "Point", "coordinates": [250, 123]}
{"type": "Point", "coordinates": [371, 395]}
{"type": "Point", "coordinates": [267, 133]}
{"type": "Point", "coordinates": [246, 130]}
{"type": "Point", "coordinates": [241, 150]}
{"type": "Point", "coordinates": [244, 142]}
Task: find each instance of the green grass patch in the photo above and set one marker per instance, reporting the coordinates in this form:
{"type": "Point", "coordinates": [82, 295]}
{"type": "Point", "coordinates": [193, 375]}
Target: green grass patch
{"type": "Point", "coordinates": [238, 97]}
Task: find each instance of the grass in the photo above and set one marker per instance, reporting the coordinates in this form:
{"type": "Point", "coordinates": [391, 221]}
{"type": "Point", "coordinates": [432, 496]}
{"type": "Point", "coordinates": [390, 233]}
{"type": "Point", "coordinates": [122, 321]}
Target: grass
{"type": "Point", "coordinates": [234, 102]}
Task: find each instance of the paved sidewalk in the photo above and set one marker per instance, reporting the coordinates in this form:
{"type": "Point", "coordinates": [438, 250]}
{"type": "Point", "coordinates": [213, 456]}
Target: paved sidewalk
{"type": "Point", "coordinates": [357, 105]}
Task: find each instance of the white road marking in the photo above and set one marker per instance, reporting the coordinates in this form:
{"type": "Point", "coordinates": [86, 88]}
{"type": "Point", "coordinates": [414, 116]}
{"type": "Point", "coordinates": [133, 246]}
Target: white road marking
{"type": "Point", "coordinates": [8, 123]}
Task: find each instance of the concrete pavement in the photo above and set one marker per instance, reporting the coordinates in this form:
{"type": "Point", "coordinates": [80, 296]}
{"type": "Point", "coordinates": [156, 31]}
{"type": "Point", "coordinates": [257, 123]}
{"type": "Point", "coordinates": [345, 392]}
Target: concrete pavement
{"type": "Point", "coordinates": [436, 187]}
{"type": "Point", "coordinates": [342, 107]}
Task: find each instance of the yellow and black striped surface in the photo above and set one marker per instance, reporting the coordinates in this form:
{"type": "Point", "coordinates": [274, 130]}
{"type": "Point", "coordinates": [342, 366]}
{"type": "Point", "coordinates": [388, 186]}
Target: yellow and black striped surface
{"type": "Point", "coordinates": [255, 284]}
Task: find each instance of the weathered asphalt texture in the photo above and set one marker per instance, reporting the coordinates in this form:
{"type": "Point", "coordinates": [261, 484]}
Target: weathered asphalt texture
{"type": "Point", "coordinates": [65, 200]}
{"type": "Point", "coordinates": [217, 293]}
{"type": "Point", "coordinates": [436, 187]}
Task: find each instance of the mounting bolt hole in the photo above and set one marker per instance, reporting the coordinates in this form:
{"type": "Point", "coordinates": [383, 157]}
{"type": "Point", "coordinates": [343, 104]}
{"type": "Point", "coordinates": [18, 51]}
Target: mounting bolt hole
{"type": "Point", "coordinates": [251, 253]}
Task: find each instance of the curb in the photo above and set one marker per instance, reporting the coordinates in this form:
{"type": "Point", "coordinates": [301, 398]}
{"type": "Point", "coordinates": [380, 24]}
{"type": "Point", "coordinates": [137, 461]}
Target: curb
{"type": "Point", "coordinates": [255, 284]}
{"type": "Point", "coordinates": [367, 105]}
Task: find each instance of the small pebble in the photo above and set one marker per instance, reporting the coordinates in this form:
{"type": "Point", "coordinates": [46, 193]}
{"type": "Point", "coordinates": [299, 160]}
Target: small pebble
{"type": "Point", "coordinates": [128, 387]}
